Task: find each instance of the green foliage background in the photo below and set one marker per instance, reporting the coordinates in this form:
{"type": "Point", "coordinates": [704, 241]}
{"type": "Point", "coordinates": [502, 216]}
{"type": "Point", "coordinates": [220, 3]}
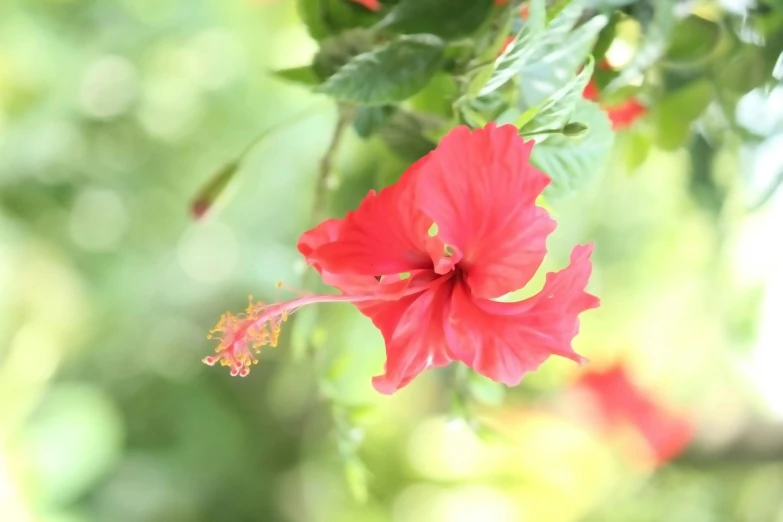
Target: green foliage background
{"type": "Point", "coordinates": [115, 114]}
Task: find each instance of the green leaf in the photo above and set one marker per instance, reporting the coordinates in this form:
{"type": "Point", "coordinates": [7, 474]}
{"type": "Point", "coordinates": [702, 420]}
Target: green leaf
{"type": "Point", "coordinates": [218, 183]}
{"type": "Point", "coordinates": [437, 97]}
{"type": "Point", "coordinates": [406, 135]}
{"type": "Point", "coordinates": [357, 477]}
{"type": "Point", "coordinates": [744, 71]}
{"type": "Point", "coordinates": [360, 413]}
{"type": "Point", "coordinates": [574, 129]}
{"type": "Point", "coordinates": [336, 51]}
{"type": "Point", "coordinates": [694, 40]}
{"type": "Point", "coordinates": [489, 45]}
{"type": "Point", "coordinates": [369, 120]}
{"type": "Point", "coordinates": [215, 186]}
{"type": "Point", "coordinates": [304, 75]}
{"type": "Point", "coordinates": [557, 110]}
{"type": "Point", "coordinates": [634, 147]}
{"type": "Point", "coordinates": [493, 107]}
{"type": "Point", "coordinates": [547, 67]}
{"type": "Point", "coordinates": [676, 112]}
{"type": "Point", "coordinates": [536, 14]}
{"type": "Point", "coordinates": [486, 391]}
{"type": "Point", "coordinates": [313, 14]}
{"type": "Point", "coordinates": [348, 14]}
{"type": "Point", "coordinates": [490, 435]}
{"type": "Point", "coordinates": [459, 409]}
{"type": "Point", "coordinates": [391, 73]}
{"type": "Point", "coordinates": [514, 57]}
{"type": "Point", "coordinates": [448, 19]}
{"type": "Point", "coordinates": [325, 18]}
{"type": "Point", "coordinates": [572, 162]}
{"type": "Point", "coordinates": [558, 55]}
{"type": "Point", "coordinates": [550, 82]}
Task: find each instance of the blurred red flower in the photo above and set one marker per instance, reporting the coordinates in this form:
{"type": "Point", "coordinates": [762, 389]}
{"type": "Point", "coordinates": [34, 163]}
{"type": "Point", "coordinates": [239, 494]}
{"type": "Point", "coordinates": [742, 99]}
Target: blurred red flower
{"type": "Point", "coordinates": [373, 5]}
{"type": "Point", "coordinates": [622, 115]}
{"type": "Point", "coordinates": [425, 257]}
{"type": "Point", "coordinates": [620, 401]}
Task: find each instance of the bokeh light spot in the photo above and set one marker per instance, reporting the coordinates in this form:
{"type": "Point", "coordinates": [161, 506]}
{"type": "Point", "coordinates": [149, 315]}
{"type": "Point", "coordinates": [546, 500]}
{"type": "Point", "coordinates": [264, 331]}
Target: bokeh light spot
{"type": "Point", "coordinates": [109, 87]}
{"type": "Point", "coordinates": [208, 252]}
{"type": "Point", "coordinates": [98, 220]}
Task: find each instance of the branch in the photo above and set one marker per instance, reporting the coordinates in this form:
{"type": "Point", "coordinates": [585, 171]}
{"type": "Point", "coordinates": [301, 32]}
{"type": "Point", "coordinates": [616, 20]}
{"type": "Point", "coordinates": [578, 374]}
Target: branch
{"type": "Point", "coordinates": [319, 210]}
{"type": "Point", "coordinates": [344, 117]}
{"type": "Point", "coordinates": [757, 442]}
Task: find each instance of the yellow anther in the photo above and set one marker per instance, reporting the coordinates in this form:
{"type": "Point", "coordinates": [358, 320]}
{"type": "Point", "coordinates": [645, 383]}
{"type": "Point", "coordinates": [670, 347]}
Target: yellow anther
{"type": "Point", "coordinates": [242, 336]}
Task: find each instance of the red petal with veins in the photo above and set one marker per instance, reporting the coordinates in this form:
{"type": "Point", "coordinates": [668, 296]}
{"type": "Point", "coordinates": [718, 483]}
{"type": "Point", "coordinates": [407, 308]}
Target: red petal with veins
{"type": "Point", "coordinates": [322, 234]}
{"type": "Point", "coordinates": [414, 336]}
{"type": "Point", "coordinates": [389, 288]}
{"type": "Point", "coordinates": [387, 234]}
{"type": "Point", "coordinates": [503, 341]}
{"type": "Point", "coordinates": [480, 190]}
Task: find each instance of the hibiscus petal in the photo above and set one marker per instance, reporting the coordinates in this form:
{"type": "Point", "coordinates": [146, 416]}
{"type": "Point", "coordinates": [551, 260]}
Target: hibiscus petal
{"type": "Point", "coordinates": [389, 288]}
{"type": "Point", "coordinates": [413, 330]}
{"type": "Point", "coordinates": [591, 91]}
{"type": "Point", "coordinates": [621, 401]}
{"type": "Point", "coordinates": [387, 234]}
{"type": "Point", "coordinates": [625, 114]}
{"type": "Point", "coordinates": [322, 234]}
{"type": "Point", "coordinates": [503, 341]}
{"type": "Point", "coordinates": [325, 232]}
{"type": "Point", "coordinates": [480, 190]}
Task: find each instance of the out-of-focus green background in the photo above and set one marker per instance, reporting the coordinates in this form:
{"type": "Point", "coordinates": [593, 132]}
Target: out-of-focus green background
{"type": "Point", "coordinates": [114, 113]}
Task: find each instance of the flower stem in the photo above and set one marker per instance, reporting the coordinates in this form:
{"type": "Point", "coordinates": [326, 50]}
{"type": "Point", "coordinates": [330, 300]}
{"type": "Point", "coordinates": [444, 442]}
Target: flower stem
{"type": "Point", "coordinates": [320, 203]}
{"type": "Point", "coordinates": [322, 187]}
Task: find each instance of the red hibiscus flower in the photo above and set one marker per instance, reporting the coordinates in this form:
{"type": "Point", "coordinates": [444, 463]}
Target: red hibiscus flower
{"type": "Point", "coordinates": [623, 115]}
{"type": "Point", "coordinates": [425, 258]}
{"type": "Point", "coordinates": [619, 401]}
{"type": "Point", "coordinates": [373, 5]}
